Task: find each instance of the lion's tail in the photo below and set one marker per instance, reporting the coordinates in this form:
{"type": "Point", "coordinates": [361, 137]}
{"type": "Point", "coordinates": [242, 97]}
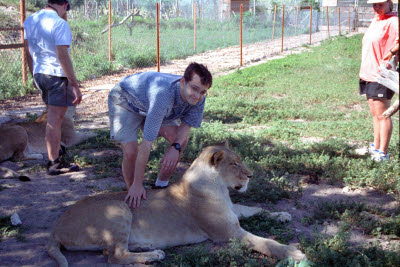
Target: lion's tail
{"type": "Point", "coordinates": [8, 173]}
{"type": "Point", "coordinates": [53, 248]}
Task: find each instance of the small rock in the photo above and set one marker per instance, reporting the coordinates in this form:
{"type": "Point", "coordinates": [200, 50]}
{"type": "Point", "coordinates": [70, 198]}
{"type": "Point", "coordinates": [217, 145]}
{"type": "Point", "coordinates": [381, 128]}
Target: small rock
{"type": "Point", "coordinates": [15, 220]}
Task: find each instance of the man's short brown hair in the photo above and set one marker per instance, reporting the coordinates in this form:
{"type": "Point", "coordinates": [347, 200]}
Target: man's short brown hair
{"type": "Point", "coordinates": [201, 70]}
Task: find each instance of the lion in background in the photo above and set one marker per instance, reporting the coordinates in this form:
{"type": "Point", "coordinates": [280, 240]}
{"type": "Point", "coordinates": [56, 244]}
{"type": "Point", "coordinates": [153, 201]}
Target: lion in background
{"type": "Point", "coordinates": [195, 209]}
{"type": "Point", "coordinates": [26, 140]}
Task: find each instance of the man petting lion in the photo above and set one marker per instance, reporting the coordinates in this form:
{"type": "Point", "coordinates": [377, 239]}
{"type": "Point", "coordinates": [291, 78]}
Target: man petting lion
{"type": "Point", "coordinates": [197, 208]}
{"type": "Point", "coordinates": [155, 102]}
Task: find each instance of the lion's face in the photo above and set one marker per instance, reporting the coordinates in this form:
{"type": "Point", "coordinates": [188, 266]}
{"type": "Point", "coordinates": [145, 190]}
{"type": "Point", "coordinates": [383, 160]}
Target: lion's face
{"type": "Point", "coordinates": [232, 170]}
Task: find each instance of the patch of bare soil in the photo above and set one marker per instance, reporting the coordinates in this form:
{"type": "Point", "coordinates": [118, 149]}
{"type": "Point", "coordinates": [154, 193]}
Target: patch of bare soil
{"type": "Point", "coordinates": [42, 200]}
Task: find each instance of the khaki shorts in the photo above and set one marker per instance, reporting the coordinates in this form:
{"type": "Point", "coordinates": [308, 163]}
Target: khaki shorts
{"type": "Point", "coordinates": [124, 121]}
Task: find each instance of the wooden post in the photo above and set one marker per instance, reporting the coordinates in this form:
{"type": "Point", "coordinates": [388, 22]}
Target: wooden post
{"type": "Point", "coordinates": [297, 19]}
{"type": "Point", "coordinates": [310, 22]}
{"type": "Point", "coordinates": [241, 34]}
{"type": "Point", "coordinates": [340, 33]}
{"type": "Point", "coordinates": [194, 26]}
{"type": "Point", "coordinates": [158, 35]}
{"type": "Point", "coordinates": [109, 31]}
{"type": "Point", "coordinates": [327, 18]}
{"type": "Point", "coordinates": [273, 27]}
{"type": "Point", "coordinates": [283, 24]}
{"type": "Point", "coordinates": [23, 55]}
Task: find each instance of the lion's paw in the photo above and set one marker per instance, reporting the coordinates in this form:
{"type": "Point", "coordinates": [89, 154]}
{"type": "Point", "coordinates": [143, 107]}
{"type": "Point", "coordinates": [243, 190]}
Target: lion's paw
{"type": "Point", "coordinates": [296, 254]}
{"type": "Point", "coordinates": [158, 255]}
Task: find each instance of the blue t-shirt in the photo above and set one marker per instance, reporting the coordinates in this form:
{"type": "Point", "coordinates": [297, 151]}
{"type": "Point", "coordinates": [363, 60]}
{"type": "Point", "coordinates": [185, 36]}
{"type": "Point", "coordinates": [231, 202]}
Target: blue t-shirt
{"type": "Point", "coordinates": [157, 97]}
{"type": "Point", "coordinates": [44, 30]}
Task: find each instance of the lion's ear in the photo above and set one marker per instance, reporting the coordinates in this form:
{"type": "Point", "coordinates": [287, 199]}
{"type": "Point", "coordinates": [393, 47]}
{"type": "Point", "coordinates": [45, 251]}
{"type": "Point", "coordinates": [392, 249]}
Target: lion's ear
{"type": "Point", "coordinates": [217, 157]}
{"type": "Point", "coordinates": [42, 118]}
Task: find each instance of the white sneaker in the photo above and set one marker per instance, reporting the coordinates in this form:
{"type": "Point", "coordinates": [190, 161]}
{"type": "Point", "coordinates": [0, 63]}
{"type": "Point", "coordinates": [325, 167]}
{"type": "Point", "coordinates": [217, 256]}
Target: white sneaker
{"type": "Point", "coordinates": [372, 149]}
{"type": "Point", "coordinates": [380, 156]}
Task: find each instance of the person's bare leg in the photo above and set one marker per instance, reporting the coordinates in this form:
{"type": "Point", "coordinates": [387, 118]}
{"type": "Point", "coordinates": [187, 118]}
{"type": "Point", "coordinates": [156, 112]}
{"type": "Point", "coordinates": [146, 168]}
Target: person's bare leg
{"type": "Point", "coordinates": [169, 133]}
{"type": "Point", "coordinates": [55, 116]}
{"type": "Point", "coordinates": [385, 124]}
{"type": "Point", "coordinates": [375, 122]}
{"type": "Point", "coordinates": [129, 151]}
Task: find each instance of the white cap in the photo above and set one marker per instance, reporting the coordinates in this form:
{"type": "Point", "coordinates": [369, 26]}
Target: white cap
{"type": "Point", "coordinates": [375, 1]}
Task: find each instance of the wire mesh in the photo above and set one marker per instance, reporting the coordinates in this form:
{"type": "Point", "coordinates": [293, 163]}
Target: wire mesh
{"type": "Point", "coordinates": [11, 82]}
{"type": "Point", "coordinates": [133, 33]}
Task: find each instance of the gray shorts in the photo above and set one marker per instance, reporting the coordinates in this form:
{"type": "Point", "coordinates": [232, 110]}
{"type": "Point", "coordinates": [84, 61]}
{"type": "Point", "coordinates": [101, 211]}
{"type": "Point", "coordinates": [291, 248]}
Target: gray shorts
{"type": "Point", "coordinates": [124, 121]}
{"type": "Point", "coordinates": [55, 90]}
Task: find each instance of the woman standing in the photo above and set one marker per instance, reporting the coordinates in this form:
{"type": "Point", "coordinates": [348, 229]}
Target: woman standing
{"type": "Point", "coordinates": [380, 43]}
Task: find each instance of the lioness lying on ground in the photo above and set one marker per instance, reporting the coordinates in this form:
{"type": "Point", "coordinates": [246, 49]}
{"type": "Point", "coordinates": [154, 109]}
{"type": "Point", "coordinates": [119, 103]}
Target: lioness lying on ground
{"type": "Point", "coordinates": [26, 140]}
{"type": "Point", "coordinates": [193, 210]}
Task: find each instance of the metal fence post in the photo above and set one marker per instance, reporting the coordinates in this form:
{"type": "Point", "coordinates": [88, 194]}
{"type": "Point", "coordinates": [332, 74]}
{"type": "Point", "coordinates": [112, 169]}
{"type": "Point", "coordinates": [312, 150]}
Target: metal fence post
{"type": "Point", "coordinates": [158, 35]}
{"type": "Point", "coordinates": [327, 18]}
{"type": "Point", "coordinates": [194, 26]}
{"type": "Point", "coordinates": [241, 34]}
{"type": "Point", "coordinates": [24, 70]}
{"type": "Point", "coordinates": [340, 33]}
{"type": "Point", "coordinates": [109, 31]}
{"type": "Point", "coordinates": [310, 22]}
{"type": "Point", "coordinates": [297, 18]}
{"type": "Point", "coordinates": [273, 27]}
{"type": "Point", "coordinates": [349, 20]}
{"type": "Point", "coordinates": [283, 25]}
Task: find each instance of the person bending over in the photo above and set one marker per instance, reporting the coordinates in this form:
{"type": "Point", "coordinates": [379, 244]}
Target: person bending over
{"type": "Point", "coordinates": [160, 104]}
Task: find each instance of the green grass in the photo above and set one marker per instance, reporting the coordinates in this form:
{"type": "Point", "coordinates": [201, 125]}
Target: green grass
{"type": "Point", "coordinates": [233, 254]}
{"type": "Point", "coordinates": [9, 230]}
{"type": "Point", "coordinates": [261, 224]}
{"type": "Point", "coordinates": [323, 250]}
{"type": "Point", "coordinates": [308, 95]}
{"type": "Point", "coordinates": [369, 219]}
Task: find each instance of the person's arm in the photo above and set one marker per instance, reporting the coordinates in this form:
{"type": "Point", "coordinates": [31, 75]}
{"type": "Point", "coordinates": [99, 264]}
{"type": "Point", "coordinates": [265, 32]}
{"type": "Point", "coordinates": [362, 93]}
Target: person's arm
{"type": "Point", "coordinates": [29, 60]}
{"type": "Point", "coordinates": [171, 157]}
{"type": "Point", "coordinates": [28, 57]}
{"type": "Point", "coordinates": [391, 52]}
{"type": "Point", "coordinates": [66, 64]}
{"type": "Point", "coordinates": [137, 191]}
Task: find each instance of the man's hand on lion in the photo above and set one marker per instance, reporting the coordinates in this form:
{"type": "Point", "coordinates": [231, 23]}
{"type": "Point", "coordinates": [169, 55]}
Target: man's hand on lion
{"type": "Point", "coordinates": [169, 160]}
{"type": "Point", "coordinates": [135, 195]}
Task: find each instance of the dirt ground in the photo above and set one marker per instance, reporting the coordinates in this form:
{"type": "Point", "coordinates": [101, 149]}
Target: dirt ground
{"type": "Point", "coordinates": [42, 200]}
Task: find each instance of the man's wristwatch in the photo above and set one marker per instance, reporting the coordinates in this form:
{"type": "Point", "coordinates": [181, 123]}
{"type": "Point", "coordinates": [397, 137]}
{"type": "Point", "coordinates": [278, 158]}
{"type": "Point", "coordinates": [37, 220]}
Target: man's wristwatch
{"type": "Point", "coordinates": [177, 146]}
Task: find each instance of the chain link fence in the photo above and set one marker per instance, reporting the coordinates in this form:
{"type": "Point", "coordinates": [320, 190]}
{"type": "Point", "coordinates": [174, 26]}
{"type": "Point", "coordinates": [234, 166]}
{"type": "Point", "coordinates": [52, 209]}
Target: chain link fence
{"type": "Point", "coordinates": [11, 81]}
{"type": "Point", "coordinates": [267, 27]}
